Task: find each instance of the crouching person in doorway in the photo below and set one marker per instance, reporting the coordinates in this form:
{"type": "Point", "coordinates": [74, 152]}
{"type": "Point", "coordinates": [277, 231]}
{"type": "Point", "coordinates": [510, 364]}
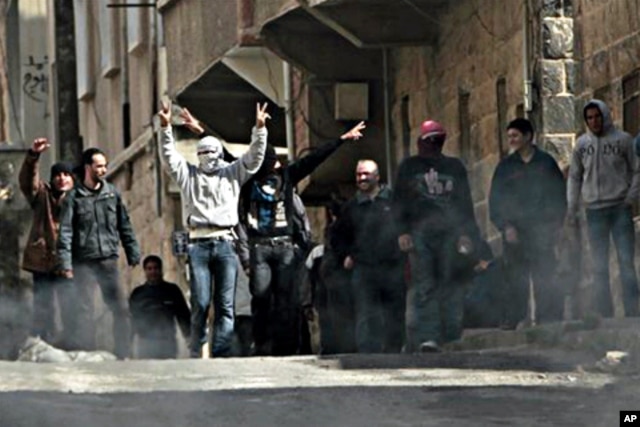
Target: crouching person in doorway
{"type": "Point", "coordinates": [155, 307]}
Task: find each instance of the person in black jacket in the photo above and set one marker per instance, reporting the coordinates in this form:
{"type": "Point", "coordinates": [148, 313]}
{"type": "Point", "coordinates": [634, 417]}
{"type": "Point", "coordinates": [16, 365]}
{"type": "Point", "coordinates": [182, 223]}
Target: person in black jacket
{"type": "Point", "coordinates": [437, 228]}
{"type": "Point", "coordinates": [94, 221]}
{"type": "Point", "coordinates": [155, 307]}
{"type": "Point", "coordinates": [366, 238]}
{"type": "Point", "coordinates": [267, 210]}
{"type": "Point", "coordinates": [527, 203]}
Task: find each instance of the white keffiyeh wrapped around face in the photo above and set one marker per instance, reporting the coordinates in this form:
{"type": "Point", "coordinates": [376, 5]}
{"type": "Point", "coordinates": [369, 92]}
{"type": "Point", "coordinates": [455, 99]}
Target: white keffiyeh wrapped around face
{"type": "Point", "coordinates": [209, 154]}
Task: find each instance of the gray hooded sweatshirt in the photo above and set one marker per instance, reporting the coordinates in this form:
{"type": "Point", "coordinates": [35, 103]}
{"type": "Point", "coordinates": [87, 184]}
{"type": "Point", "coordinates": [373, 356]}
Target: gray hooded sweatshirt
{"type": "Point", "coordinates": [211, 199]}
{"type": "Point", "coordinates": [604, 169]}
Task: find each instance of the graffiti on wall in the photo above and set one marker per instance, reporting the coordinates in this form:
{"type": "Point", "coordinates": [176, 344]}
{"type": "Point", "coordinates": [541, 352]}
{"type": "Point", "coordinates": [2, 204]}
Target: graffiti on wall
{"type": "Point", "coordinates": [35, 82]}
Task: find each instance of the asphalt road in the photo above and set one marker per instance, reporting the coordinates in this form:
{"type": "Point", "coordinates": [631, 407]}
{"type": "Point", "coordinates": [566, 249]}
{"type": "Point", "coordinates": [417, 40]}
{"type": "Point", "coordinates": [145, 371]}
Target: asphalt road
{"type": "Point", "coordinates": [452, 389]}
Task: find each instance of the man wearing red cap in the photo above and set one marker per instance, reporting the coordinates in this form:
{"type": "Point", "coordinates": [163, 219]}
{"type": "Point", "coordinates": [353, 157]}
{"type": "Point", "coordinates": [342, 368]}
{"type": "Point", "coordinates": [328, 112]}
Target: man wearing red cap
{"type": "Point", "coordinates": [438, 230]}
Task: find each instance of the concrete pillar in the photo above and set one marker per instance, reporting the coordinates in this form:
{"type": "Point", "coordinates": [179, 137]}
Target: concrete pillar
{"type": "Point", "coordinates": [67, 136]}
{"type": "Point", "coordinates": [34, 70]}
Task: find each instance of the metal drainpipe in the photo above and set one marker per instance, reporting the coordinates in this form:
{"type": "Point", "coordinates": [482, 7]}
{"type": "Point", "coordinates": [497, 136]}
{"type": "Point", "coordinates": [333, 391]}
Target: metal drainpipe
{"type": "Point", "coordinates": [288, 111]}
{"type": "Point", "coordinates": [387, 122]}
{"type": "Point", "coordinates": [525, 60]}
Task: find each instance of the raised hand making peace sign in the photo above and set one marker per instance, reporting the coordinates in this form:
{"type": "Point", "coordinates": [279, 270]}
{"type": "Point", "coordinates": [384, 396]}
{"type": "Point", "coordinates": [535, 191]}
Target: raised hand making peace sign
{"type": "Point", "coordinates": [261, 115]}
{"type": "Point", "coordinates": [355, 133]}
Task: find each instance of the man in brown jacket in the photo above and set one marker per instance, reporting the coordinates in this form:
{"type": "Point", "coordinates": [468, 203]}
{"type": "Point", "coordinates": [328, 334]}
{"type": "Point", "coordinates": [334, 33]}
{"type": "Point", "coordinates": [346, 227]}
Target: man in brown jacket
{"type": "Point", "coordinates": [40, 258]}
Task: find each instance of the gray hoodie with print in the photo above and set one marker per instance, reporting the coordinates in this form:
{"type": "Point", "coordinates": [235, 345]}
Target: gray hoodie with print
{"type": "Point", "coordinates": [604, 168]}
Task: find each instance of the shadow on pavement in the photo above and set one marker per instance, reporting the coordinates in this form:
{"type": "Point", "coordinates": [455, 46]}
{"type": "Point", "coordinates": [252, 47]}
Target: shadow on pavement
{"type": "Point", "coordinates": [332, 406]}
{"type": "Point", "coordinates": [526, 359]}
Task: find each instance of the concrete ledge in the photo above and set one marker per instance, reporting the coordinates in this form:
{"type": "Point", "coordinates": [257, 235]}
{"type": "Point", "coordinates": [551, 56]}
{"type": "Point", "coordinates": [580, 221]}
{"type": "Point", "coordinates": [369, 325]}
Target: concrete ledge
{"type": "Point", "coordinates": [593, 336]}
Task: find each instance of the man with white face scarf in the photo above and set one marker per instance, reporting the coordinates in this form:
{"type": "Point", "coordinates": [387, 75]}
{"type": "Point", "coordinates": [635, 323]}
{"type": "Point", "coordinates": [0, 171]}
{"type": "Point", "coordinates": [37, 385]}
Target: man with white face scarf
{"type": "Point", "coordinates": [210, 192]}
{"type": "Point", "coordinates": [209, 154]}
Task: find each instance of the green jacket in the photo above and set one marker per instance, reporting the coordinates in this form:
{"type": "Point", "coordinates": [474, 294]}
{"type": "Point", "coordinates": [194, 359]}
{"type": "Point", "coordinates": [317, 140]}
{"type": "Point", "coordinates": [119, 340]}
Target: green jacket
{"type": "Point", "coordinates": [92, 224]}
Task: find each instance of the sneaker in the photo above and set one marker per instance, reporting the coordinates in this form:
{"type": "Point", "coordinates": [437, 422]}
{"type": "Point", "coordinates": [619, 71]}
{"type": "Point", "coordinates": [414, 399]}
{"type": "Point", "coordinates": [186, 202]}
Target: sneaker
{"type": "Point", "coordinates": [429, 347]}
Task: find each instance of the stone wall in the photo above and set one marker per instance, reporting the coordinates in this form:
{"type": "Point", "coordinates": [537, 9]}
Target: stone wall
{"type": "Point", "coordinates": [608, 47]}
{"type": "Point", "coordinates": [555, 78]}
{"type": "Point", "coordinates": [477, 46]}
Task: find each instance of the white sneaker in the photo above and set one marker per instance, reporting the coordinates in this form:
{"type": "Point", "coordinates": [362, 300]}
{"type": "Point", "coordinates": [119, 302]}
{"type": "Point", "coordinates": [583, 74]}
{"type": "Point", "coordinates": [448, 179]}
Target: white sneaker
{"type": "Point", "coordinates": [429, 347]}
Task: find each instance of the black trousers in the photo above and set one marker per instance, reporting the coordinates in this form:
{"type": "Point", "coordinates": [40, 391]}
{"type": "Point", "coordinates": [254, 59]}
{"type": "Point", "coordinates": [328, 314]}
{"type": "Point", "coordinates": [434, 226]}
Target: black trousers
{"type": "Point", "coordinates": [274, 303]}
{"type": "Point", "coordinates": [105, 273]}
{"type": "Point", "coordinates": [335, 307]}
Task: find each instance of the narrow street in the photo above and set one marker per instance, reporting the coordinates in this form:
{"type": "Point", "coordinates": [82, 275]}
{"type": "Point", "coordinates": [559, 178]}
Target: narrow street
{"type": "Point", "coordinates": [453, 389]}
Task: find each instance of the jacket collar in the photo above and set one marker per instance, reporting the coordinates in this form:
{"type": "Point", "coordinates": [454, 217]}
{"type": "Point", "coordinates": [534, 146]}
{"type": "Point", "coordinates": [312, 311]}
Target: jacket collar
{"type": "Point", "coordinates": [84, 191]}
{"type": "Point", "coordinates": [384, 193]}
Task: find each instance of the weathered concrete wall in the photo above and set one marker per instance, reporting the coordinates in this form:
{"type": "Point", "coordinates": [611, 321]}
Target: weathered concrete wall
{"type": "Point", "coordinates": [153, 214]}
{"type": "Point", "coordinates": [265, 10]}
{"type": "Point", "coordinates": [477, 46]}
{"type": "Point", "coordinates": [197, 33]}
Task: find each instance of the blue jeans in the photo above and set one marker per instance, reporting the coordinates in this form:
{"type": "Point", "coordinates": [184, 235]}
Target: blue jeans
{"type": "Point", "coordinates": [435, 297]}
{"type": "Point", "coordinates": [616, 221]}
{"type": "Point", "coordinates": [212, 258]}
{"type": "Point", "coordinates": [379, 305]}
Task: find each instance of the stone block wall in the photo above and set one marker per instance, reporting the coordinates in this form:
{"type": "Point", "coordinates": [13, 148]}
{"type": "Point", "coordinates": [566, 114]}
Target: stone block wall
{"type": "Point", "coordinates": [608, 47]}
{"type": "Point", "coordinates": [477, 46]}
{"type": "Point", "coordinates": [555, 79]}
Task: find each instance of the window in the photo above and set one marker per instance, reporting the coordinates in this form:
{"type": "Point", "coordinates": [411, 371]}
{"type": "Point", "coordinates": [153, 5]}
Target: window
{"type": "Point", "coordinates": [465, 126]}
{"type": "Point", "coordinates": [109, 38]}
{"type": "Point", "coordinates": [83, 48]}
{"type": "Point", "coordinates": [501, 102]}
{"type": "Point", "coordinates": [631, 103]}
{"type": "Point", "coordinates": [406, 126]}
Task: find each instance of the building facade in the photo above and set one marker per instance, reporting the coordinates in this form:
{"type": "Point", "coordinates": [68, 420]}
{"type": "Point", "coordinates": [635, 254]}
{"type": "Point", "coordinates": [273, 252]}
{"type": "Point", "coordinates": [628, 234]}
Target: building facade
{"type": "Point", "coordinates": [322, 65]}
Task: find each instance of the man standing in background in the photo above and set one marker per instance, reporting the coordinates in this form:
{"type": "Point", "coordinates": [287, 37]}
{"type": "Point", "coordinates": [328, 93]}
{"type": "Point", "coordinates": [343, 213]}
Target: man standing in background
{"type": "Point", "coordinates": [605, 172]}
{"type": "Point", "coordinates": [94, 220]}
{"type": "Point", "coordinates": [45, 199]}
{"type": "Point", "coordinates": [366, 239]}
